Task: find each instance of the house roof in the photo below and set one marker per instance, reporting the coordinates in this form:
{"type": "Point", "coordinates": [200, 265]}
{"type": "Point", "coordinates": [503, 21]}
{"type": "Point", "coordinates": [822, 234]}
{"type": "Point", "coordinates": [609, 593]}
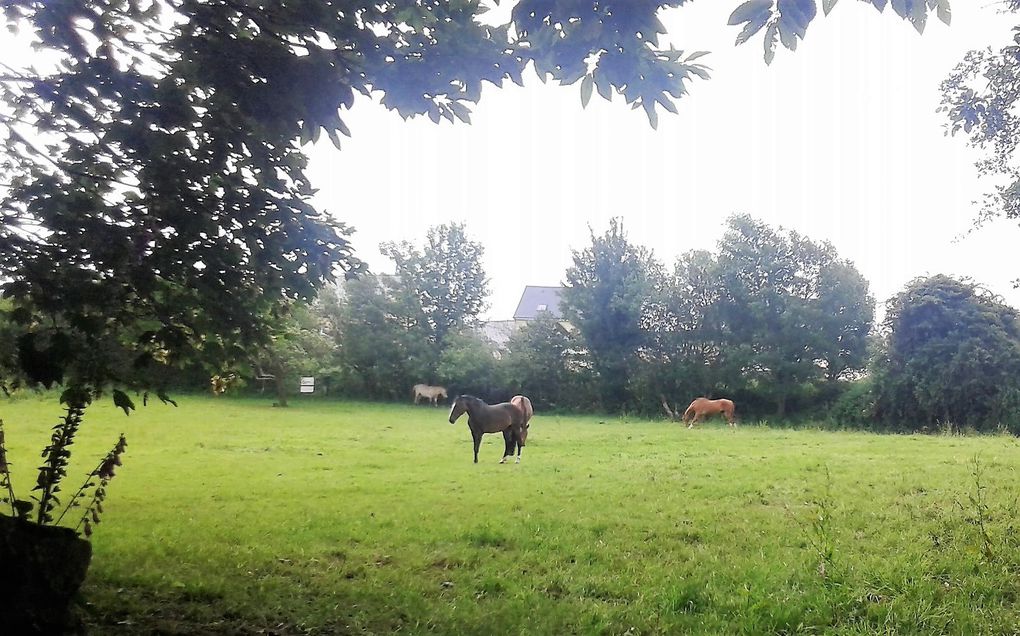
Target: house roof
{"type": "Point", "coordinates": [498, 332]}
{"type": "Point", "coordinates": [535, 299]}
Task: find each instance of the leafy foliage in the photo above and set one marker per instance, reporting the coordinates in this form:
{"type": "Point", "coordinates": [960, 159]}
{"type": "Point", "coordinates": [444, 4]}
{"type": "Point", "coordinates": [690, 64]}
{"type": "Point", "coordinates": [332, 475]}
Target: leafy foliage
{"type": "Point", "coordinates": [297, 347]}
{"type": "Point", "coordinates": [980, 99]}
{"type": "Point", "coordinates": [445, 280]}
{"type": "Point", "coordinates": [468, 365]}
{"type": "Point", "coordinates": [952, 356]}
{"type": "Point", "coordinates": [682, 355]}
{"type": "Point", "coordinates": [786, 21]}
{"type": "Point", "coordinates": [156, 192]}
{"type": "Point", "coordinates": [382, 351]}
{"type": "Point", "coordinates": [605, 292]}
{"type": "Point", "coordinates": [542, 363]}
{"type": "Point", "coordinates": [169, 204]}
{"type": "Point", "coordinates": [790, 310]}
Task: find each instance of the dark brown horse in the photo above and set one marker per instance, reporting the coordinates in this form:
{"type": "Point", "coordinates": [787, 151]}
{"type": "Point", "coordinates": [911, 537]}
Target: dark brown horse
{"type": "Point", "coordinates": [704, 407]}
{"type": "Point", "coordinates": [498, 418]}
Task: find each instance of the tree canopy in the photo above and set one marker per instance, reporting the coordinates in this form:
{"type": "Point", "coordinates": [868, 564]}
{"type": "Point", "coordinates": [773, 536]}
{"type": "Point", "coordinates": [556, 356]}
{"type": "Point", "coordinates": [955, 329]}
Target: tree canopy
{"type": "Point", "coordinates": [605, 292]}
{"type": "Point", "coordinates": [951, 356]}
{"type": "Point", "coordinates": [154, 190]}
{"type": "Point", "coordinates": [790, 309]}
{"type": "Point", "coordinates": [445, 279]}
{"type": "Point", "coordinates": [980, 99]}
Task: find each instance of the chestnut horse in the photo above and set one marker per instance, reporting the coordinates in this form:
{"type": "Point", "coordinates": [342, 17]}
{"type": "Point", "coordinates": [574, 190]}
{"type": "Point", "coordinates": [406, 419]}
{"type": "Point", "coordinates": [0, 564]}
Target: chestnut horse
{"type": "Point", "coordinates": [703, 407]}
{"type": "Point", "coordinates": [523, 404]}
{"type": "Point", "coordinates": [498, 418]}
{"type": "Point", "coordinates": [431, 393]}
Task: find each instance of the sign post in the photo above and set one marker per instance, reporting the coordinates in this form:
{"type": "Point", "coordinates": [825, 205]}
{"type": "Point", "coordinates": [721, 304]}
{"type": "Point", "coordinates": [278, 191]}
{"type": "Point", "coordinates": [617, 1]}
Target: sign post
{"type": "Point", "coordinates": [307, 385]}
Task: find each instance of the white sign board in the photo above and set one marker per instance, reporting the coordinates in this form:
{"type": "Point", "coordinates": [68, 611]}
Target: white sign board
{"type": "Point", "coordinates": [308, 385]}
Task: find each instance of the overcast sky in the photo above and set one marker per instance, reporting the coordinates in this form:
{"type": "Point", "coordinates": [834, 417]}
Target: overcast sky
{"type": "Point", "coordinates": [838, 140]}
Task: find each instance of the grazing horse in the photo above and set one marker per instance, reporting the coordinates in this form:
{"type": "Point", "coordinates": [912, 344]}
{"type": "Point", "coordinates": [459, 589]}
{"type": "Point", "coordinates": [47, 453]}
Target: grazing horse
{"type": "Point", "coordinates": [431, 393]}
{"type": "Point", "coordinates": [482, 418]}
{"type": "Point", "coordinates": [523, 405]}
{"type": "Point", "coordinates": [703, 407]}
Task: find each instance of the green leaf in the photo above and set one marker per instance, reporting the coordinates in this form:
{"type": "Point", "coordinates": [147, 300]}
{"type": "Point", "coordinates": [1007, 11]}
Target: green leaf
{"type": "Point", "coordinates": [23, 507]}
{"type": "Point", "coordinates": [653, 116]}
{"type": "Point", "coordinates": [700, 71]}
{"type": "Point", "coordinates": [462, 112]}
{"type": "Point", "coordinates": [165, 398]}
{"type": "Point", "coordinates": [122, 401]}
{"type": "Point", "coordinates": [335, 138]}
{"type": "Point", "coordinates": [752, 27]}
{"type": "Point", "coordinates": [75, 396]}
{"type": "Point", "coordinates": [750, 11]}
{"type": "Point", "coordinates": [603, 86]}
{"type": "Point", "coordinates": [944, 12]}
{"type": "Point", "coordinates": [342, 127]}
{"type": "Point", "coordinates": [667, 103]}
{"type": "Point", "coordinates": [586, 87]}
{"type": "Point", "coordinates": [794, 18]}
{"type": "Point", "coordinates": [770, 42]}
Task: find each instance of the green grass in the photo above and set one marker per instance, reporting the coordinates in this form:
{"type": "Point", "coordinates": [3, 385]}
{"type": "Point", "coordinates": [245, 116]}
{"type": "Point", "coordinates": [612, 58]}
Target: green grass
{"type": "Point", "coordinates": [230, 516]}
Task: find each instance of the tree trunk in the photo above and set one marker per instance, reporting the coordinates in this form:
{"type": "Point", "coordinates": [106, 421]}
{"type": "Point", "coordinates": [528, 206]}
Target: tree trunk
{"type": "Point", "coordinates": [669, 412]}
{"type": "Point", "coordinates": [281, 390]}
{"type": "Point", "coordinates": [781, 405]}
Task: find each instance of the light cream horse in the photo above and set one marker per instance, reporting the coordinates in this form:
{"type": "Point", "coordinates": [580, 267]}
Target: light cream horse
{"type": "Point", "coordinates": [431, 393]}
{"type": "Point", "coordinates": [703, 407]}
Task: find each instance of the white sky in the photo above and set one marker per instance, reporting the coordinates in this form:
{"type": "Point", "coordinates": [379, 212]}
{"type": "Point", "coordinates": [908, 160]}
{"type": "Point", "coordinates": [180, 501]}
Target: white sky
{"type": "Point", "coordinates": [838, 140]}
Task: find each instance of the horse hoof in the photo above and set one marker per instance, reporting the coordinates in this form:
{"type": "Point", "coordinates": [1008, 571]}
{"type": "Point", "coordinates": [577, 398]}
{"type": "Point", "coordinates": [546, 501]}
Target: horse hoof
{"type": "Point", "coordinates": [502, 461]}
{"type": "Point", "coordinates": [518, 461]}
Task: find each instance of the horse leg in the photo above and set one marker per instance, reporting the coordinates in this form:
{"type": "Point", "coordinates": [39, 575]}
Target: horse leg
{"type": "Point", "coordinates": [694, 420]}
{"type": "Point", "coordinates": [687, 414]}
{"type": "Point", "coordinates": [478, 442]}
{"type": "Point", "coordinates": [519, 441]}
{"type": "Point", "coordinates": [508, 444]}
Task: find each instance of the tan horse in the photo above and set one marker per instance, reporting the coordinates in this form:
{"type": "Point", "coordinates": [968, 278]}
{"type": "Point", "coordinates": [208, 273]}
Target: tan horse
{"type": "Point", "coordinates": [523, 405]}
{"type": "Point", "coordinates": [431, 393]}
{"type": "Point", "coordinates": [703, 407]}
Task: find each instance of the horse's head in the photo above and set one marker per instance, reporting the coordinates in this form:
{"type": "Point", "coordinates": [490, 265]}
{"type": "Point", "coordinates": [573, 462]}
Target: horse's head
{"type": "Point", "coordinates": [441, 392]}
{"type": "Point", "coordinates": [460, 406]}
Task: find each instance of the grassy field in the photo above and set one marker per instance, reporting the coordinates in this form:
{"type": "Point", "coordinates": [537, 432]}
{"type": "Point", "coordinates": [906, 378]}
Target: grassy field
{"type": "Point", "coordinates": [230, 516]}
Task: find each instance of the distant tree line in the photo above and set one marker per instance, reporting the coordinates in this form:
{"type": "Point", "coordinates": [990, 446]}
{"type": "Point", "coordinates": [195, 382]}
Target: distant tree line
{"type": "Point", "coordinates": [777, 322]}
{"type": "Point", "coordinates": [772, 319]}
